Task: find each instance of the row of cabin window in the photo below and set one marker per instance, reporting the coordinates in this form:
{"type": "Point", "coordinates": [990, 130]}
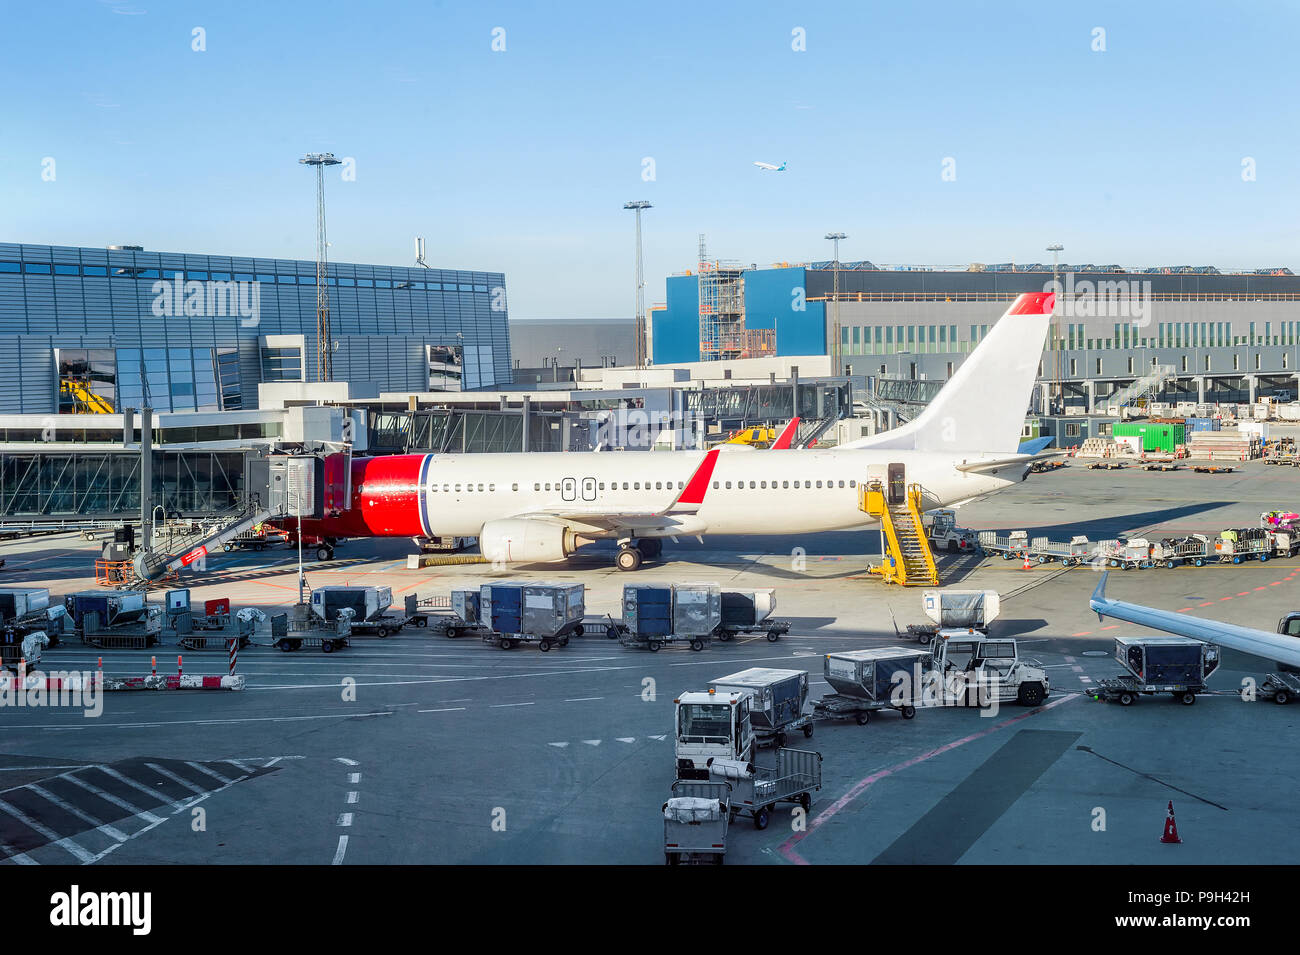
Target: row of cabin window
{"type": "Point", "coordinates": [658, 485]}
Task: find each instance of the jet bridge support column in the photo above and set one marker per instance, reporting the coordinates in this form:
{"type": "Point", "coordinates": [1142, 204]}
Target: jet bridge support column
{"type": "Point", "coordinates": [146, 479]}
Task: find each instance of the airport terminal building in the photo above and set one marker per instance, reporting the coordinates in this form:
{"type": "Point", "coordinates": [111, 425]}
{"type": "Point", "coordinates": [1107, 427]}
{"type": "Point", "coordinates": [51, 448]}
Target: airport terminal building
{"type": "Point", "coordinates": [86, 330]}
{"type": "Point", "coordinates": [1176, 333]}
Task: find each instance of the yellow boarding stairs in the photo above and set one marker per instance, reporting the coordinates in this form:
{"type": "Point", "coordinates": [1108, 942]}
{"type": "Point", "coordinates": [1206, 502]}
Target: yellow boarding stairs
{"type": "Point", "coordinates": [908, 559]}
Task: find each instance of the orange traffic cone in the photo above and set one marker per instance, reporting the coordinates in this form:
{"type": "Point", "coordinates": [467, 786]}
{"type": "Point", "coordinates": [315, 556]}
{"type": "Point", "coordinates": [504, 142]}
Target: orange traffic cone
{"type": "Point", "coordinates": [1171, 827]}
{"type": "Point", "coordinates": [1026, 565]}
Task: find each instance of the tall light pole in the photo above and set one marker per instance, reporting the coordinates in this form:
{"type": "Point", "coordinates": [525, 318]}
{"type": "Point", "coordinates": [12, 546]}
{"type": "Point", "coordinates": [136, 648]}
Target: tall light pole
{"type": "Point", "coordinates": [835, 266]}
{"type": "Point", "coordinates": [320, 161]}
{"type": "Point", "coordinates": [639, 314]}
{"type": "Point", "coordinates": [1055, 248]}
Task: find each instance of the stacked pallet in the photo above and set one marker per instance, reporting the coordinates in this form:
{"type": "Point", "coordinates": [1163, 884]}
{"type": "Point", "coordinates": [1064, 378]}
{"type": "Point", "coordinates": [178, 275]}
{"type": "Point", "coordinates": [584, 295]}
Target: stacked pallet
{"type": "Point", "coordinates": [1222, 445]}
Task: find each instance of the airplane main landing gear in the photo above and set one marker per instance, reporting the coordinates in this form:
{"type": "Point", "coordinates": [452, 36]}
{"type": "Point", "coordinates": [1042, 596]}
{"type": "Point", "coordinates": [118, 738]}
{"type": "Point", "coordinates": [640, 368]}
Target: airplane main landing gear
{"type": "Point", "coordinates": [628, 558]}
{"type": "Point", "coordinates": [650, 547]}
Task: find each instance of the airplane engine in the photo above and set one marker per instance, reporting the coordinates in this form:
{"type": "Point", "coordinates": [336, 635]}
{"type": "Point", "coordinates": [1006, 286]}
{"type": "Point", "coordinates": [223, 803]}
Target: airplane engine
{"type": "Point", "coordinates": [522, 541]}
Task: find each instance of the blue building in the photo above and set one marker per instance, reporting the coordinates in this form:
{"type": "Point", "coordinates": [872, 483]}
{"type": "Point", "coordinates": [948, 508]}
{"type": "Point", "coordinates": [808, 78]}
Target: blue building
{"type": "Point", "coordinates": [85, 329]}
{"type": "Point", "coordinates": [775, 300]}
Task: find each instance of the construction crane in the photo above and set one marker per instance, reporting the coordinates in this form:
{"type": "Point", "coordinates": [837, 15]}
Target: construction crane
{"type": "Point", "coordinates": [323, 339]}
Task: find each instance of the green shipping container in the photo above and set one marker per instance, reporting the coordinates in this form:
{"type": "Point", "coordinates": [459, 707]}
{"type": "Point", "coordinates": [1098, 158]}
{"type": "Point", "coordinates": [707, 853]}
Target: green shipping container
{"type": "Point", "coordinates": [1155, 437]}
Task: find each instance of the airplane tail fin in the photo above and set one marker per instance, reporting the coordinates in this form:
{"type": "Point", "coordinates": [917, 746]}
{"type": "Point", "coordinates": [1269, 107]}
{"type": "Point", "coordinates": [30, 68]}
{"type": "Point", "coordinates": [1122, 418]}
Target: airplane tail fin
{"type": "Point", "coordinates": [786, 437]}
{"type": "Point", "coordinates": [983, 405]}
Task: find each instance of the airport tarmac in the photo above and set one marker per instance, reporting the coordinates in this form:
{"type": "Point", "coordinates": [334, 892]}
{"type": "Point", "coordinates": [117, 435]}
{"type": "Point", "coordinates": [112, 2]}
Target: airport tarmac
{"type": "Point", "coordinates": [574, 748]}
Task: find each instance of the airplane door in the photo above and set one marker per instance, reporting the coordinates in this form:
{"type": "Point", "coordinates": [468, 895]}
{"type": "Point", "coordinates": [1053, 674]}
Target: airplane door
{"type": "Point", "coordinates": [569, 489]}
{"type": "Point", "coordinates": [897, 484]}
{"type": "Point", "coordinates": [588, 489]}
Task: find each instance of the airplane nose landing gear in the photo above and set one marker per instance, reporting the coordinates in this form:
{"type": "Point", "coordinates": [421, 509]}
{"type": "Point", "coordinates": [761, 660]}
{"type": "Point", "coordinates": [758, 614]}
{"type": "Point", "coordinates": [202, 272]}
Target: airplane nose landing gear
{"type": "Point", "coordinates": [628, 558]}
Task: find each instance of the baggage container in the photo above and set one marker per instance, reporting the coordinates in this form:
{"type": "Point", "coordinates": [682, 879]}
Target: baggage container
{"type": "Point", "coordinates": [869, 674]}
{"type": "Point", "coordinates": [1179, 661]}
{"type": "Point", "coordinates": [664, 610]}
{"type": "Point", "coordinates": [114, 609]}
{"type": "Point", "coordinates": [534, 609]}
{"type": "Point", "coordinates": [776, 697]}
{"type": "Point", "coordinates": [745, 608]}
{"type": "Point", "coordinates": [465, 605]}
{"type": "Point", "coordinates": [961, 608]}
{"type": "Point", "coordinates": [20, 601]}
{"type": "Point", "coordinates": [365, 602]}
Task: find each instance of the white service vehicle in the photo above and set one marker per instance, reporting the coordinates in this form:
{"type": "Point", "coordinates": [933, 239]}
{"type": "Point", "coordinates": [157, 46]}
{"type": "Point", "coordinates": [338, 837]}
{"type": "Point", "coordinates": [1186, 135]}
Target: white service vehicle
{"type": "Point", "coordinates": [712, 725]}
{"type": "Point", "coordinates": [970, 669]}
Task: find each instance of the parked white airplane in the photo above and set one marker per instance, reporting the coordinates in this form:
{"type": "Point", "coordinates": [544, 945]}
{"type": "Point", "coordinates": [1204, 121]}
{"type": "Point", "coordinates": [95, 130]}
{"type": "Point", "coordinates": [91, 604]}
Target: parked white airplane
{"type": "Point", "coordinates": [769, 167]}
{"type": "Point", "coordinates": [542, 506]}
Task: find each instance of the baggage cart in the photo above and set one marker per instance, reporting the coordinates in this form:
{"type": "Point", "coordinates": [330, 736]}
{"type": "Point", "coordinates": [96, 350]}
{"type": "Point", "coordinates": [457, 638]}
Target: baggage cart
{"type": "Point", "coordinates": [1078, 550]}
{"type": "Point", "coordinates": [1281, 688]}
{"type": "Point", "coordinates": [1106, 464]}
{"type": "Point", "coordinates": [1009, 546]}
{"type": "Point", "coordinates": [1176, 551]}
{"type": "Point", "coordinates": [1178, 666]}
{"type": "Point", "coordinates": [1132, 553]}
{"type": "Point", "coordinates": [757, 790]}
{"type": "Point", "coordinates": [1243, 543]}
{"type": "Point", "coordinates": [696, 818]}
{"type": "Point", "coordinates": [1213, 468]}
{"type": "Point", "coordinates": [1286, 543]}
{"type": "Point", "coordinates": [301, 629]}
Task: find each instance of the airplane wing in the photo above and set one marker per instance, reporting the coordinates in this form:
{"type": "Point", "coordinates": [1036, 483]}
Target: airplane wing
{"type": "Point", "coordinates": [786, 436]}
{"type": "Point", "coordinates": [1260, 643]}
{"type": "Point", "coordinates": [678, 517]}
{"type": "Point", "coordinates": [1034, 445]}
{"type": "Point", "coordinates": [991, 464]}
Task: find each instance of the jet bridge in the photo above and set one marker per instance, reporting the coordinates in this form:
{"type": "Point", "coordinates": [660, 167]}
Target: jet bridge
{"type": "Point", "coordinates": [278, 486]}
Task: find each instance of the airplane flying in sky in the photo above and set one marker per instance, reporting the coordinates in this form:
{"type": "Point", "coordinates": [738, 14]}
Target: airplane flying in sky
{"type": "Point", "coordinates": [769, 167]}
{"type": "Point", "coordinates": [541, 506]}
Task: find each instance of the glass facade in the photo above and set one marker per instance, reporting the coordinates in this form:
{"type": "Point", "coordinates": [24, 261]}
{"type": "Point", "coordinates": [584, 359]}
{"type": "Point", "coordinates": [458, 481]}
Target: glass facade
{"type": "Point", "coordinates": [183, 330]}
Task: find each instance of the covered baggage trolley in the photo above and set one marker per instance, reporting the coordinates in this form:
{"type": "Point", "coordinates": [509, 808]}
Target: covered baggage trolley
{"type": "Point", "coordinates": [777, 701]}
{"type": "Point", "coordinates": [518, 612]}
{"type": "Point", "coordinates": [867, 680]}
{"type": "Point", "coordinates": [1178, 666]}
{"type": "Point", "coordinates": [756, 790]}
{"type": "Point", "coordinates": [659, 614]}
{"type": "Point", "coordinates": [696, 818]}
{"type": "Point", "coordinates": [750, 611]}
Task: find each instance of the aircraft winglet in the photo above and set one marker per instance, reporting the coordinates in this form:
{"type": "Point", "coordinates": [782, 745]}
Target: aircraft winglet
{"type": "Point", "coordinates": [693, 493]}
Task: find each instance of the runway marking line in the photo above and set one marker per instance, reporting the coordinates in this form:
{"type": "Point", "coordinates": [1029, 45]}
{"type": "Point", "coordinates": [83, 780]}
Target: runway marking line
{"type": "Point", "coordinates": [787, 848]}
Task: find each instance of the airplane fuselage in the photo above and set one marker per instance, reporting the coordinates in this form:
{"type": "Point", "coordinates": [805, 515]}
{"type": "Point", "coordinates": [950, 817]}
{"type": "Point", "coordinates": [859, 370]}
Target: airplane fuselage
{"type": "Point", "coordinates": [749, 492]}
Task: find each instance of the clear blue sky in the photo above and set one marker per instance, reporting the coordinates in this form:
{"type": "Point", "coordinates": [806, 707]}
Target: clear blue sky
{"type": "Point", "coordinates": [520, 161]}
